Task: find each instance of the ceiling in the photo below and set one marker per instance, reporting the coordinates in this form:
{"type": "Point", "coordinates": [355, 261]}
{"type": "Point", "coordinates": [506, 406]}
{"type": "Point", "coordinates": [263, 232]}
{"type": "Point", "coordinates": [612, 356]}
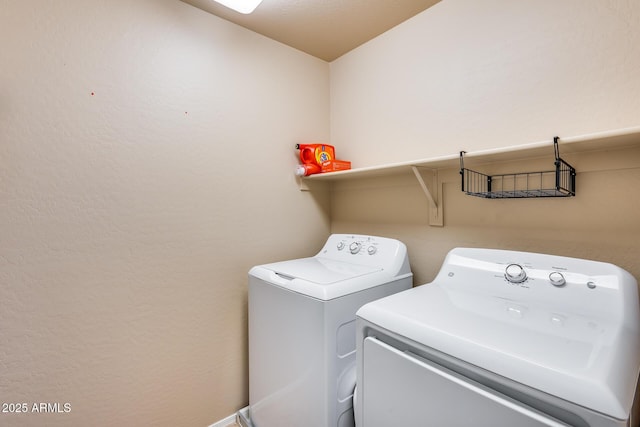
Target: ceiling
{"type": "Point", "coordinates": [326, 29]}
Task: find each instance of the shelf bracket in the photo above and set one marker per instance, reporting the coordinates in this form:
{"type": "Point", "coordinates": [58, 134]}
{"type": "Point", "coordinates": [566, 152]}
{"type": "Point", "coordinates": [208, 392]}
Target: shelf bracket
{"type": "Point", "coordinates": [434, 196]}
{"type": "Point", "coordinates": [302, 184]}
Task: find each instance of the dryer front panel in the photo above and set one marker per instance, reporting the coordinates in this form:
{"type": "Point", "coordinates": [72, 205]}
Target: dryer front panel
{"type": "Point", "coordinates": [401, 388]}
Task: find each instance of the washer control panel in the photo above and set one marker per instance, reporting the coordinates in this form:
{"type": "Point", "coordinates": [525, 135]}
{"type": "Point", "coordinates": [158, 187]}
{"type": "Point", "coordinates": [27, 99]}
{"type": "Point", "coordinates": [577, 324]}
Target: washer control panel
{"type": "Point", "coordinates": [358, 244]}
{"type": "Point", "coordinates": [355, 247]}
{"type": "Point", "coordinates": [360, 249]}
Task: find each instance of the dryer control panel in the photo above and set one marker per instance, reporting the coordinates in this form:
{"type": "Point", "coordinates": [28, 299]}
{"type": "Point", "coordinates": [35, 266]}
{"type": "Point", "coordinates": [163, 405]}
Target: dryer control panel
{"type": "Point", "coordinates": [525, 283]}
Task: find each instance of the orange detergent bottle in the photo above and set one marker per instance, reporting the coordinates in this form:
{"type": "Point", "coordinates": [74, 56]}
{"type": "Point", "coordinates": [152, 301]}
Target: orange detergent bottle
{"type": "Point", "coordinates": [316, 153]}
{"type": "Point", "coordinates": [318, 158]}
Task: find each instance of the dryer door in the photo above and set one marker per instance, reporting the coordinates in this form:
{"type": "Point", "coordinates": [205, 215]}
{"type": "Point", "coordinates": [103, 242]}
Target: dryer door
{"type": "Point", "coordinates": [401, 388]}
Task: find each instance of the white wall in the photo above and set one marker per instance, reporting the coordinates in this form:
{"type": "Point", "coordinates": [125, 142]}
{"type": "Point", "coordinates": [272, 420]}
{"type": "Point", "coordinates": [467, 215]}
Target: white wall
{"type": "Point", "coordinates": [470, 75]}
{"type": "Point", "coordinates": [146, 158]}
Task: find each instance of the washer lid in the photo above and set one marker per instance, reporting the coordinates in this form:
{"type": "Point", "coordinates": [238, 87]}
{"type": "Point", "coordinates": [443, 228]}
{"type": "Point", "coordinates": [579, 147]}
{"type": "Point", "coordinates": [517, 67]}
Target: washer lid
{"type": "Point", "coordinates": [319, 270]}
{"type": "Point", "coordinates": [321, 278]}
{"type": "Point", "coordinates": [586, 360]}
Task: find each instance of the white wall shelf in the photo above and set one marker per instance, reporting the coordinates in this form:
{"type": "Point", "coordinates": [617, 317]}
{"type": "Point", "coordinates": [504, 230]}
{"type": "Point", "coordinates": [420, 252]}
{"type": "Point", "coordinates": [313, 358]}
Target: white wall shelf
{"type": "Point", "coordinates": [432, 187]}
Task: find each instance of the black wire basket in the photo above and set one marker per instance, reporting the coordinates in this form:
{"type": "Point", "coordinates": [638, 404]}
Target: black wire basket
{"type": "Point", "coordinates": [560, 182]}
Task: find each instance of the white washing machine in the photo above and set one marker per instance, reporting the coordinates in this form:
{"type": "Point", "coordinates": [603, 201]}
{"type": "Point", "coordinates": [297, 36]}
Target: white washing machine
{"type": "Point", "coordinates": [302, 329]}
{"type": "Point", "coordinates": [503, 338]}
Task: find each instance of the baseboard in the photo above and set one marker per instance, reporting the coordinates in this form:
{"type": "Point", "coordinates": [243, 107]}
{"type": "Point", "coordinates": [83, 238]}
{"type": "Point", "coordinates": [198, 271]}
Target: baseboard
{"type": "Point", "coordinates": [226, 422]}
{"type": "Point", "coordinates": [242, 418]}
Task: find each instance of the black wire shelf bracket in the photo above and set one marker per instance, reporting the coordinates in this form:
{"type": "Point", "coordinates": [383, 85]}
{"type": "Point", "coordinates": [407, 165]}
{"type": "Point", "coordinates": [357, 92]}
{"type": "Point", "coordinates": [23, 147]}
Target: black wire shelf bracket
{"type": "Point", "coordinates": [560, 182]}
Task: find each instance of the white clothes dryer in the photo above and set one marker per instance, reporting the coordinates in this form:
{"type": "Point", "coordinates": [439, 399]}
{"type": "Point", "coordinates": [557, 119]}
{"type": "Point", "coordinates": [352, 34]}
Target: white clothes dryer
{"type": "Point", "coordinates": [503, 338]}
{"type": "Point", "coordinates": [302, 328]}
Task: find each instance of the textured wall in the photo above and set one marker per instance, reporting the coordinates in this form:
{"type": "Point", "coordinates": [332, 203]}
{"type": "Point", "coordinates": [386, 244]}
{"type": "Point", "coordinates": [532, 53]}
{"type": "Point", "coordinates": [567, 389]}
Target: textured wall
{"type": "Point", "coordinates": [471, 75]}
{"type": "Point", "coordinates": [146, 158]}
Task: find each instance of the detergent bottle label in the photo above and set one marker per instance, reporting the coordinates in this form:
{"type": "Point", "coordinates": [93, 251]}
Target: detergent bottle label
{"type": "Point", "coordinates": [323, 155]}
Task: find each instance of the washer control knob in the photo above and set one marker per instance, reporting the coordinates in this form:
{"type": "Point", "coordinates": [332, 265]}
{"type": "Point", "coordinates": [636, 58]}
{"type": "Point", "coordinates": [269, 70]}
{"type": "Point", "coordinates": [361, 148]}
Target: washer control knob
{"type": "Point", "coordinates": [340, 246]}
{"type": "Point", "coordinates": [372, 250]}
{"type": "Point", "coordinates": [557, 279]}
{"type": "Point", "coordinates": [514, 273]}
{"type": "Point", "coordinates": [355, 247]}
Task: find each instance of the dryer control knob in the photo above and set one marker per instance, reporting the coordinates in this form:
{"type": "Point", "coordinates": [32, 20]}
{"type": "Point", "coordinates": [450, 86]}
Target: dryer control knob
{"type": "Point", "coordinates": [340, 246]}
{"type": "Point", "coordinates": [355, 247]}
{"type": "Point", "coordinates": [557, 279]}
{"type": "Point", "coordinates": [372, 250]}
{"type": "Point", "coordinates": [514, 273]}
